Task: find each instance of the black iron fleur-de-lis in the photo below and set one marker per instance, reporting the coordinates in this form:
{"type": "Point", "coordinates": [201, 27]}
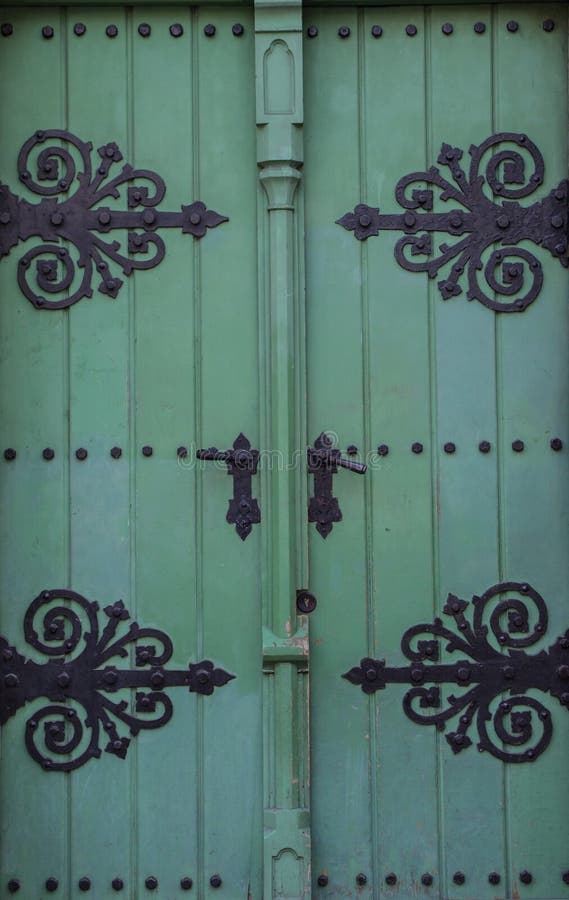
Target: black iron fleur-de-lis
{"type": "Point", "coordinates": [88, 680]}
{"type": "Point", "coordinates": [485, 212]}
{"type": "Point", "coordinates": [506, 725]}
{"type": "Point", "coordinates": [82, 221]}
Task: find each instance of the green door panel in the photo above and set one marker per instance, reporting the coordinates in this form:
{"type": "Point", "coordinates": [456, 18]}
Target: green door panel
{"type": "Point", "coordinates": [143, 369]}
{"type": "Point", "coordinates": [390, 362]}
{"type": "Point", "coordinates": [287, 781]}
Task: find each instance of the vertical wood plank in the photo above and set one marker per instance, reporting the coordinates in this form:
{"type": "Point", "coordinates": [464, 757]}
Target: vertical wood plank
{"type": "Point", "coordinates": [99, 403]}
{"type": "Point", "coordinates": [531, 97]}
{"type": "Point", "coordinates": [164, 397]}
{"type": "Point", "coordinates": [33, 403]}
{"type": "Point", "coordinates": [340, 745]}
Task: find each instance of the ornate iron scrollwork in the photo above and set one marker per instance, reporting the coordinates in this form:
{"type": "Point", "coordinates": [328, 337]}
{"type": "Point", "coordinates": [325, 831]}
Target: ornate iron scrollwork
{"type": "Point", "coordinates": [323, 462]}
{"type": "Point", "coordinates": [82, 221]}
{"type": "Point", "coordinates": [477, 222]}
{"type": "Point", "coordinates": [487, 674]}
{"type": "Point", "coordinates": [241, 461]}
{"type": "Point", "coordinates": [86, 680]}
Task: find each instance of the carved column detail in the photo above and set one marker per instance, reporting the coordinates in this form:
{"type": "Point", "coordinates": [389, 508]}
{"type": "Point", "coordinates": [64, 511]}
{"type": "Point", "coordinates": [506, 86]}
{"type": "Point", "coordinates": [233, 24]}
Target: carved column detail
{"type": "Point", "coordinates": [278, 50]}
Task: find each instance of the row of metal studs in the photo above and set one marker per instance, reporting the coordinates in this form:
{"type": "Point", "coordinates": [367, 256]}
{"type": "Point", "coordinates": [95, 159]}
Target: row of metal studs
{"type": "Point", "coordinates": [144, 30]}
{"type": "Point", "coordinates": [427, 879]}
{"type": "Point", "coordinates": [448, 28]}
{"type": "Point", "coordinates": [147, 450]}
{"type": "Point", "coordinates": [117, 884]}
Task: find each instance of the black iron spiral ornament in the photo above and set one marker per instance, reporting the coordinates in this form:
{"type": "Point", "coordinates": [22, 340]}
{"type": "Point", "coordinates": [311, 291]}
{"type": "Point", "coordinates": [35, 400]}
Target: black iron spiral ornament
{"type": "Point", "coordinates": [89, 696]}
{"type": "Point", "coordinates": [79, 231]}
{"type": "Point", "coordinates": [484, 226]}
{"type": "Point", "coordinates": [494, 676]}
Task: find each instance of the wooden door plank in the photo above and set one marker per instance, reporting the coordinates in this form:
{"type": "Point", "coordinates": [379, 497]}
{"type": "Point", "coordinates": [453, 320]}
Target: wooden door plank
{"type": "Point", "coordinates": [339, 719]}
{"type": "Point", "coordinates": [33, 384]}
{"type": "Point", "coordinates": [164, 400]}
{"type": "Point", "coordinates": [401, 414]}
{"type": "Point", "coordinates": [99, 485]}
{"type": "Point", "coordinates": [463, 359]}
{"type": "Point", "coordinates": [229, 394]}
{"type": "Point", "coordinates": [531, 97]}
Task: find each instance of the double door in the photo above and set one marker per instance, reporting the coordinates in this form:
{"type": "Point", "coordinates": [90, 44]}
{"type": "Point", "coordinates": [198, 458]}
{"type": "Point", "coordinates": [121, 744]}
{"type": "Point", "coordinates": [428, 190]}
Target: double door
{"type": "Point", "coordinates": [291, 264]}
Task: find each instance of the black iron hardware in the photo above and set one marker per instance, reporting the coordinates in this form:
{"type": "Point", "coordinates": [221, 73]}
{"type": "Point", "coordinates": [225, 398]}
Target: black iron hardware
{"type": "Point", "coordinates": [494, 878]}
{"type": "Point", "coordinates": [215, 881]}
{"type": "Point", "coordinates": [391, 879]}
{"type": "Point", "coordinates": [477, 222]}
{"type": "Point", "coordinates": [237, 29]}
{"type": "Point", "coordinates": [176, 30]}
{"type": "Point", "coordinates": [306, 602]}
{"type": "Point", "coordinates": [459, 877]}
{"type": "Point", "coordinates": [361, 879]}
{"type": "Point", "coordinates": [323, 462]}
{"type": "Point", "coordinates": [111, 31]}
{"type": "Point", "coordinates": [322, 880]}
{"type": "Point", "coordinates": [117, 884]}
{"type": "Point", "coordinates": [6, 29]}
{"type": "Point", "coordinates": [47, 32]}
{"type": "Point", "coordinates": [241, 460]}
{"type": "Point", "coordinates": [186, 884]}
{"type": "Point", "coordinates": [556, 444]}
{"type": "Point", "coordinates": [87, 679]}
{"type": "Point", "coordinates": [151, 883]}
{"type": "Point", "coordinates": [376, 31]}
{"type": "Point", "coordinates": [82, 221]}
{"type": "Point", "coordinates": [479, 27]}
{"type": "Point", "coordinates": [485, 676]}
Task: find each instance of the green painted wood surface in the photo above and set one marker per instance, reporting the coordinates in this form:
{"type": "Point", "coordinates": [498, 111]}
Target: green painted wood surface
{"type": "Point", "coordinates": [172, 361]}
{"type": "Point", "coordinates": [389, 362]}
{"type": "Point", "coordinates": [219, 339]}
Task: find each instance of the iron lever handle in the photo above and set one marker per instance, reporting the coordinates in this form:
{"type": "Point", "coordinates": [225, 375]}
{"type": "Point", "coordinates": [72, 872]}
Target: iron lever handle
{"type": "Point", "coordinates": [241, 461]}
{"type": "Point", "coordinates": [352, 465]}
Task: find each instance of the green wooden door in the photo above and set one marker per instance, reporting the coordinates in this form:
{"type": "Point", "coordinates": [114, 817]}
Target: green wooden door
{"type": "Point", "coordinates": [225, 292]}
{"type": "Point", "coordinates": [418, 383]}
{"type": "Point", "coordinates": [146, 372]}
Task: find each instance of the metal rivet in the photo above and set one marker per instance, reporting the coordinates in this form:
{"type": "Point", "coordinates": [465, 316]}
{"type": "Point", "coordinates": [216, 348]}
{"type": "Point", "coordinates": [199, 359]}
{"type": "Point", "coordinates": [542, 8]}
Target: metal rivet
{"type": "Point", "coordinates": [383, 450]}
{"type": "Point", "coordinates": [485, 446]}
{"type": "Point", "coordinates": [306, 602]}
{"type": "Point", "coordinates": [563, 672]}
{"type": "Point", "coordinates": [237, 29]}
{"type": "Point", "coordinates": [84, 884]}
{"type": "Point", "coordinates": [556, 444]}
{"type": "Point", "coordinates": [48, 453]}
{"type": "Point", "coordinates": [51, 885]}
{"type": "Point", "coordinates": [157, 679]}
{"type": "Point", "coordinates": [56, 218]}
{"type": "Point", "coordinates": [417, 447]}
{"type": "Point", "coordinates": [518, 446]}
{"type": "Point", "coordinates": [11, 680]}
{"type": "Point", "coordinates": [117, 884]}
{"type": "Point", "coordinates": [111, 31]}
{"type": "Point", "coordinates": [13, 885]}
{"type": "Point", "coordinates": [151, 883]}
{"type": "Point", "coordinates": [176, 30]}
{"type": "Point", "coordinates": [557, 221]}
{"type": "Point", "coordinates": [526, 877]}
{"type": "Point", "coordinates": [312, 31]}
{"type": "Point", "coordinates": [147, 450]}
{"type": "Point", "coordinates": [182, 452]}
{"type": "Point", "coordinates": [447, 28]}
{"type": "Point", "coordinates": [411, 30]}
{"type": "Point", "coordinates": [186, 884]}
{"type": "Point", "coordinates": [322, 880]}
{"type": "Point", "coordinates": [144, 29]}
{"type": "Point", "coordinates": [376, 31]}
{"type": "Point", "coordinates": [4, 218]}
{"type": "Point", "coordinates": [209, 30]}
{"type": "Point", "coordinates": [351, 450]}
{"type": "Point", "coordinates": [215, 881]}
{"type": "Point", "coordinates": [104, 217]}
{"type": "Point", "coordinates": [427, 879]}
{"type": "Point", "coordinates": [47, 32]}
{"type": "Point", "coordinates": [391, 879]}
{"type": "Point", "coordinates": [459, 878]}
{"type": "Point", "coordinates": [565, 876]}
{"type": "Point", "coordinates": [116, 452]}
{"type": "Point", "coordinates": [361, 879]}
{"type": "Point", "coordinates": [9, 454]}
{"type": "Point", "coordinates": [79, 29]}
{"type": "Point", "coordinates": [503, 221]}
{"type": "Point", "coordinates": [6, 29]}
{"type": "Point", "coordinates": [81, 453]}
{"type": "Point", "coordinates": [548, 25]}
{"type": "Point", "coordinates": [508, 672]}
{"type": "Point", "coordinates": [64, 680]}
{"type": "Point", "coordinates": [449, 447]}
{"type": "Point", "coordinates": [512, 26]}
{"type": "Point", "coordinates": [344, 31]}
